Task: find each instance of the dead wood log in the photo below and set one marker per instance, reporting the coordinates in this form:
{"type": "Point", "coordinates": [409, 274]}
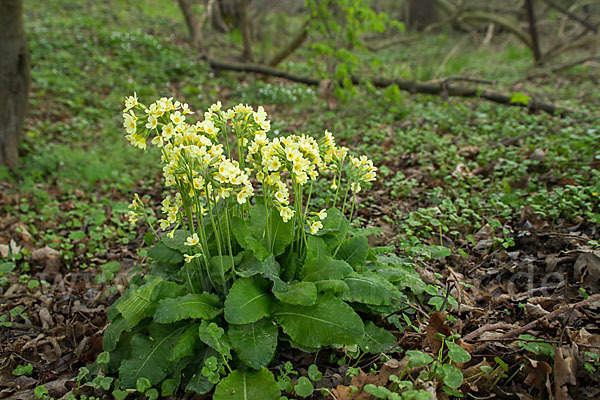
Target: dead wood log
{"type": "Point", "coordinates": [439, 87]}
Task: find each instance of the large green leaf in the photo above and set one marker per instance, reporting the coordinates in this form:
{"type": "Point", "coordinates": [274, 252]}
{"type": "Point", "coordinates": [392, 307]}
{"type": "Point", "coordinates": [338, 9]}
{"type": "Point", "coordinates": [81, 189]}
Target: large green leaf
{"type": "Point", "coordinates": [282, 233]}
{"type": "Point", "coordinates": [250, 265]}
{"type": "Point", "coordinates": [244, 237]}
{"type": "Point", "coordinates": [335, 224]}
{"type": "Point", "coordinates": [320, 269]}
{"type": "Point", "coordinates": [248, 301]}
{"type": "Point", "coordinates": [177, 242]}
{"type": "Point", "coordinates": [140, 304]}
{"type": "Point", "coordinates": [113, 332]}
{"type": "Point", "coordinates": [301, 293]}
{"type": "Point", "coordinates": [327, 322]}
{"type": "Point", "coordinates": [376, 339]}
{"type": "Point", "coordinates": [218, 266]}
{"type": "Point", "coordinates": [248, 385]}
{"type": "Point", "coordinates": [367, 290]}
{"type": "Point", "coordinates": [316, 248]}
{"type": "Point", "coordinates": [333, 286]}
{"type": "Point", "coordinates": [402, 274]}
{"type": "Point", "coordinates": [163, 253]}
{"type": "Point", "coordinates": [254, 343]}
{"type": "Point", "coordinates": [354, 250]}
{"type": "Point", "coordinates": [186, 344]}
{"type": "Point", "coordinates": [149, 356]}
{"type": "Point", "coordinates": [204, 305]}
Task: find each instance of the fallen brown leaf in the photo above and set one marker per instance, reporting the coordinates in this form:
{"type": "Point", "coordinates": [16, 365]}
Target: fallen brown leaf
{"type": "Point", "coordinates": [565, 371]}
{"type": "Point", "coordinates": [437, 324]}
{"type": "Point", "coordinates": [538, 375]}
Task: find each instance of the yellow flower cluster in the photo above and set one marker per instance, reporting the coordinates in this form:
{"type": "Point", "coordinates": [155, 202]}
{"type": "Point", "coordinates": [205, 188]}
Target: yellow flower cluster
{"type": "Point", "coordinates": [297, 155]}
{"type": "Point", "coordinates": [361, 170]}
{"type": "Point", "coordinates": [197, 160]}
{"type": "Point", "coordinates": [333, 155]}
{"type": "Point", "coordinates": [315, 223]}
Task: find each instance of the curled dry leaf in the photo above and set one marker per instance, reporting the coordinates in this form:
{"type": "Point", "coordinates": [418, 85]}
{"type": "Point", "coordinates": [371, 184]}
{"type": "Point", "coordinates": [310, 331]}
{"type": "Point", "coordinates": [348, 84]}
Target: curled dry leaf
{"type": "Point", "coordinates": [587, 270]}
{"type": "Point", "coordinates": [48, 258]}
{"type": "Point", "coordinates": [437, 324]}
{"type": "Point", "coordinates": [538, 375]}
{"type": "Point", "coordinates": [4, 250]}
{"type": "Point", "coordinates": [565, 371]}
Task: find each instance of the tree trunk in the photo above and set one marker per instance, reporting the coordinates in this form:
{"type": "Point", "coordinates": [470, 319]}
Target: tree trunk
{"type": "Point", "coordinates": [421, 13]}
{"type": "Point", "coordinates": [245, 28]}
{"type": "Point", "coordinates": [14, 79]}
{"type": "Point", "coordinates": [535, 47]}
{"type": "Point", "coordinates": [193, 24]}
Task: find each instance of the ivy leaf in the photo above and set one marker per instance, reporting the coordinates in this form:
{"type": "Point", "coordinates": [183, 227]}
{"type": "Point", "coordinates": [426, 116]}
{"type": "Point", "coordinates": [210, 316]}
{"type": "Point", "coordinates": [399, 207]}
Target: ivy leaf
{"type": "Point", "coordinates": [327, 322]}
{"type": "Point", "coordinates": [148, 356]}
{"type": "Point", "coordinates": [320, 269]}
{"type": "Point", "coordinates": [452, 376]}
{"type": "Point", "coordinates": [376, 339]}
{"type": "Point", "coordinates": [354, 250]}
{"type": "Point", "coordinates": [214, 336]}
{"type": "Point", "coordinates": [418, 358]}
{"type": "Point", "coordinates": [367, 290]}
{"type": "Point", "coordinates": [304, 387]}
{"type": "Point", "coordinates": [457, 353]}
{"type": "Point", "coordinates": [186, 344]}
{"type": "Point", "coordinates": [248, 301]}
{"type": "Point", "coordinates": [248, 385]}
{"type": "Point", "coordinates": [254, 343]}
{"type": "Point", "coordinates": [301, 293]}
{"type": "Point", "coordinates": [163, 253]}
{"type": "Point", "coordinates": [204, 305]}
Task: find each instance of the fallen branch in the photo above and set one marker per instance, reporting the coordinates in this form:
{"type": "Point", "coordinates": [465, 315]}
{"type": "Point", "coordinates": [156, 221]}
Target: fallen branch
{"type": "Point", "coordinates": [515, 332]}
{"type": "Point", "coordinates": [440, 87]}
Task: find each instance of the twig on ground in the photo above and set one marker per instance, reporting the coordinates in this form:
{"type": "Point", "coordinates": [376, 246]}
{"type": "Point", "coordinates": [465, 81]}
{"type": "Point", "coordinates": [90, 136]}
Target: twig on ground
{"type": "Point", "coordinates": [486, 328]}
{"type": "Point", "coordinates": [533, 324]}
{"type": "Point", "coordinates": [416, 308]}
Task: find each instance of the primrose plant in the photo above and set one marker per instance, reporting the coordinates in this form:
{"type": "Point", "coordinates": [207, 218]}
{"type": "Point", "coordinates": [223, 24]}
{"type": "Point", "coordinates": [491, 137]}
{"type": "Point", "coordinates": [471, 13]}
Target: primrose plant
{"type": "Point", "coordinates": [241, 264]}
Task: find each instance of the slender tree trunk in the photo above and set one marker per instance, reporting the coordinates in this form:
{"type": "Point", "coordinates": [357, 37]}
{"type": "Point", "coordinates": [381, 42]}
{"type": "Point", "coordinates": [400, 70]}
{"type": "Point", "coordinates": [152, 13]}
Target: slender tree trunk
{"type": "Point", "coordinates": [193, 24]}
{"type": "Point", "coordinates": [535, 46]}
{"type": "Point", "coordinates": [14, 79]}
{"type": "Point", "coordinates": [245, 29]}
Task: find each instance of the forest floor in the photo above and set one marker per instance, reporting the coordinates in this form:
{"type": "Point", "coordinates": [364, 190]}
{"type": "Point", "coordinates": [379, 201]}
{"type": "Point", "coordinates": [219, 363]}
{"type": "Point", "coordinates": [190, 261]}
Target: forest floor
{"type": "Point", "coordinates": [496, 204]}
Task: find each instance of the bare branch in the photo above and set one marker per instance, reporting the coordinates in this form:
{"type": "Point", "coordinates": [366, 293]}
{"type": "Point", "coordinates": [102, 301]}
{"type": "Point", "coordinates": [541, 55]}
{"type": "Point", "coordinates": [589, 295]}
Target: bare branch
{"type": "Point", "coordinates": [571, 15]}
